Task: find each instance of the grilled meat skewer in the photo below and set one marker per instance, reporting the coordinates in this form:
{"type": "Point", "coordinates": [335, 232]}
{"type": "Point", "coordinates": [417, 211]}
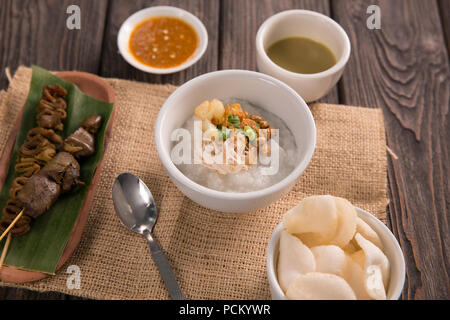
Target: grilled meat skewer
{"type": "Point", "coordinates": [61, 173]}
{"type": "Point", "coordinates": [36, 151]}
{"type": "Point", "coordinates": [81, 143]}
{"type": "Point", "coordinates": [43, 188]}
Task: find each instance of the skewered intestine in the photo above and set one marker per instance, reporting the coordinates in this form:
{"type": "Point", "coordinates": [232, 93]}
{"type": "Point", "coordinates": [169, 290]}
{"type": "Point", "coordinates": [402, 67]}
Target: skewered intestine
{"type": "Point", "coordinates": [52, 108]}
{"type": "Point", "coordinates": [38, 149]}
{"type": "Point", "coordinates": [11, 210]}
{"type": "Point", "coordinates": [60, 174]}
{"type": "Point", "coordinates": [51, 135]}
{"type": "Point", "coordinates": [27, 167]}
{"type": "Point", "coordinates": [17, 185]}
{"type": "Point", "coordinates": [33, 154]}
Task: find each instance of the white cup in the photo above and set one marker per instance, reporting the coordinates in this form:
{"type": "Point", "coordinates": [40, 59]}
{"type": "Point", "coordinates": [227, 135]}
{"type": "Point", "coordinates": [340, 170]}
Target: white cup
{"type": "Point", "coordinates": [313, 25]}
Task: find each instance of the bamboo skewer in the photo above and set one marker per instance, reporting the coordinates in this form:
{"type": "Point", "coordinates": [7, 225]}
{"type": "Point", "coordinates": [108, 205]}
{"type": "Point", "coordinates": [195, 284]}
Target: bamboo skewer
{"type": "Point", "coordinates": [12, 224]}
{"type": "Point", "coordinates": [8, 240]}
{"type": "Point", "coordinates": [5, 250]}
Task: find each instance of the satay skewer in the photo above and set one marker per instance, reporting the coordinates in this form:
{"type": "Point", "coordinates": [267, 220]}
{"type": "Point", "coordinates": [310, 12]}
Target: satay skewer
{"type": "Point", "coordinates": [8, 240]}
{"type": "Point", "coordinates": [5, 250]}
{"type": "Point", "coordinates": [11, 225]}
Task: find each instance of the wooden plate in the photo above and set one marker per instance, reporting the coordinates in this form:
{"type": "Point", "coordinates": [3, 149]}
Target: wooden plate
{"type": "Point", "coordinates": [95, 87]}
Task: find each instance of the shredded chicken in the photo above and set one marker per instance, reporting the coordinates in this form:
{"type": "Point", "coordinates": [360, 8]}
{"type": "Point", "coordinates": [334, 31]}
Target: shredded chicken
{"type": "Point", "coordinates": [233, 137]}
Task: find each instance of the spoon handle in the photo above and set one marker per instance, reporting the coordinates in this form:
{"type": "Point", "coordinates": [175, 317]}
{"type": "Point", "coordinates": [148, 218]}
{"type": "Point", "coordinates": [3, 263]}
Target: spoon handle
{"type": "Point", "coordinates": [164, 268]}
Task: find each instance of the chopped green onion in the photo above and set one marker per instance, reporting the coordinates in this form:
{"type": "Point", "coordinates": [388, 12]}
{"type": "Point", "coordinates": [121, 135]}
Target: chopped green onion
{"type": "Point", "coordinates": [224, 133]}
{"type": "Point", "coordinates": [250, 133]}
{"type": "Point", "coordinates": [234, 120]}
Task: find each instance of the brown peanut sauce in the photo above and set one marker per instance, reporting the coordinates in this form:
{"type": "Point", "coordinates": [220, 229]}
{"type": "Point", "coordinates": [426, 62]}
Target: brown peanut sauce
{"type": "Point", "coordinates": [163, 42]}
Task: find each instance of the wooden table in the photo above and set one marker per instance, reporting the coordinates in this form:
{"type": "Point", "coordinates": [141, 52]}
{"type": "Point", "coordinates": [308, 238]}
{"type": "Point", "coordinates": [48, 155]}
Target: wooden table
{"type": "Point", "coordinates": [402, 68]}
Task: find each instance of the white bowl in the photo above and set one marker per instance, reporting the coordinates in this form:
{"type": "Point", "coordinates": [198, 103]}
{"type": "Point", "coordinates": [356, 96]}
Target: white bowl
{"type": "Point", "coordinates": [257, 88]}
{"type": "Point", "coordinates": [391, 249]}
{"type": "Point", "coordinates": [308, 24]}
{"type": "Point", "coordinates": [127, 27]}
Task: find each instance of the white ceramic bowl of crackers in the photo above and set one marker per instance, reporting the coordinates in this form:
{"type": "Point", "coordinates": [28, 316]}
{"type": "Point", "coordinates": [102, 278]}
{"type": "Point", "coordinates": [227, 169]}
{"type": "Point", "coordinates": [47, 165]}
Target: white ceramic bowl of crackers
{"type": "Point", "coordinates": [327, 249]}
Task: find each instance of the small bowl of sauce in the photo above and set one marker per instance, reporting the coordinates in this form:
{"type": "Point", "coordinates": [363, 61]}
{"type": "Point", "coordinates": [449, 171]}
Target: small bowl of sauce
{"type": "Point", "coordinates": [301, 55]}
{"type": "Point", "coordinates": [305, 49]}
{"type": "Point", "coordinates": [162, 39]}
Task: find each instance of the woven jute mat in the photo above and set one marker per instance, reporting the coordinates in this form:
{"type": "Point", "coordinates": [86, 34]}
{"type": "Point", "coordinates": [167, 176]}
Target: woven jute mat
{"type": "Point", "coordinates": [214, 255]}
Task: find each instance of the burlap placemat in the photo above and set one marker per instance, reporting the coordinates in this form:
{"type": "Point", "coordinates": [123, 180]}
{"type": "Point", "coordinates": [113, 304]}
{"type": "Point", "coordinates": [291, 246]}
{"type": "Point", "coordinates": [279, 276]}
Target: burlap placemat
{"type": "Point", "coordinates": [214, 255]}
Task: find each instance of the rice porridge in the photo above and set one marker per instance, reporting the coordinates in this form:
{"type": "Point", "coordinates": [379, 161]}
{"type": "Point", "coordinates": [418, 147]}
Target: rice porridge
{"type": "Point", "coordinates": [264, 157]}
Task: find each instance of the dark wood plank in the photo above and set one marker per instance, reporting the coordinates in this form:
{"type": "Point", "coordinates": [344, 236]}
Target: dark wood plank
{"type": "Point", "coordinates": [35, 32]}
{"type": "Point", "coordinates": [240, 21]}
{"type": "Point", "coordinates": [444, 10]}
{"type": "Point", "coordinates": [113, 65]}
{"type": "Point", "coordinates": [403, 68]}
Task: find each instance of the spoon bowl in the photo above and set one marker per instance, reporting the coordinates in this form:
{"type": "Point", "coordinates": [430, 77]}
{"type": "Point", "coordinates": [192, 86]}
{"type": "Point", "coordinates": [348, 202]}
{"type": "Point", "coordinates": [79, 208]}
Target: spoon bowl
{"type": "Point", "coordinates": [136, 210]}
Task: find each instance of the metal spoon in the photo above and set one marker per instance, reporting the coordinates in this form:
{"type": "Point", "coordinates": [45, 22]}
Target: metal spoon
{"type": "Point", "coordinates": [136, 210]}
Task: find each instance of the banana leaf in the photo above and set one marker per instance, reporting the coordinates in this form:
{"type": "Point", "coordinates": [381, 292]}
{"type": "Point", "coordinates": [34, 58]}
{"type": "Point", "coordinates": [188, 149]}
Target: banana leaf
{"type": "Point", "coordinates": [42, 247]}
